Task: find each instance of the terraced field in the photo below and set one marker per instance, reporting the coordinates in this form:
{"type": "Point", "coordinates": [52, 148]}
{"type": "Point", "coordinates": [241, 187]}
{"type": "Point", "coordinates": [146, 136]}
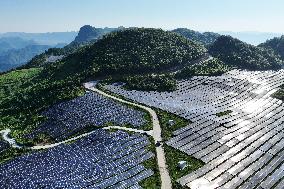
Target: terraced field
{"type": "Point", "coordinates": [237, 127]}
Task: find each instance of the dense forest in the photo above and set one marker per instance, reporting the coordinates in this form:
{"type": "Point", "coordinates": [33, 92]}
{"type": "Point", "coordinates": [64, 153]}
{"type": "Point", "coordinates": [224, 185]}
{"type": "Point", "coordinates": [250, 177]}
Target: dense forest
{"type": "Point", "coordinates": [212, 67]}
{"type": "Point", "coordinates": [238, 54]}
{"type": "Point", "coordinates": [276, 44]}
{"type": "Point", "coordinates": [151, 82]}
{"type": "Point", "coordinates": [140, 51]}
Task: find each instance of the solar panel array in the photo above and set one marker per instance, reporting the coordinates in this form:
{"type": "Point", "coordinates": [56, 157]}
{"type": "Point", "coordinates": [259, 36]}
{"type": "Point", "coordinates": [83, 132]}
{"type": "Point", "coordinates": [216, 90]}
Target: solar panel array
{"type": "Point", "coordinates": [243, 149]}
{"type": "Point", "coordinates": [101, 160]}
{"type": "Point", "coordinates": [92, 109]}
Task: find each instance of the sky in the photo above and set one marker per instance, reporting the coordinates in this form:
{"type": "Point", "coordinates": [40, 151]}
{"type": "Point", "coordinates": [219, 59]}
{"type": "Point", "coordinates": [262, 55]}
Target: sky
{"type": "Point", "coordinates": [202, 15]}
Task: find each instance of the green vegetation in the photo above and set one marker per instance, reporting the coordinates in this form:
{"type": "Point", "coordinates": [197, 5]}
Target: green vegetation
{"type": "Point", "coordinates": [206, 38]}
{"type": "Point", "coordinates": [167, 129]}
{"type": "Point", "coordinates": [276, 44]}
{"type": "Point", "coordinates": [280, 93]}
{"type": "Point", "coordinates": [212, 67]}
{"type": "Point", "coordinates": [151, 83]}
{"type": "Point", "coordinates": [238, 54]}
{"type": "Point", "coordinates": [173, 156]}
{"type": "Point", "coordinates": [141, 50]}
{"type": "Point", "coordinates": [12, 153]}
{"type": "Point", "coordinates": [227, 112]}
{"type": "Point", "coordinates": [153, 182]}
{"type": "Point", "coordinates": [25, 93]}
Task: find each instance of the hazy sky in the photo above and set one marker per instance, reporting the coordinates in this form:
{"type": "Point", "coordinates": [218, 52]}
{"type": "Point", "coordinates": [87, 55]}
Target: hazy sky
{"type": "Point", "coordinates": [204, 15]}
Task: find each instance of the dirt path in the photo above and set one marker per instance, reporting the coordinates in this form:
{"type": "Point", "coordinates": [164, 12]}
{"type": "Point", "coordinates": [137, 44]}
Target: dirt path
{"type": "Point", "coordinates": [12, 142]}
{"type": "Point", "coordinates": [150, 133]}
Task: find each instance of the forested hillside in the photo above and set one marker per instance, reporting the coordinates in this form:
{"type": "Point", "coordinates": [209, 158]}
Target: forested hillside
{"type": "Point", "coordinates": [238, 54]}
{"type": "Point", "coordinates": [141, 50]}
{"type": "Point", "coordinates": [276, 44]}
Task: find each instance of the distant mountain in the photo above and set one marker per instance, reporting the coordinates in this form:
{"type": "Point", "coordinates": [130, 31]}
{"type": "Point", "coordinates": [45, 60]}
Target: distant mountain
{"type": "Point", "coordinates": [88, 33]}
{"type": "Point", "coordinates": [254, 38]}
{"type": "Point", "coordinates": [17, 57]}
{"type": "Point", "coordinates": [276, 44]}
{"type": "Point", "coordinates": [17, 49]}
{"type": "Point", "coordinates": [86, 36]}
{"type": "Point", "coordinates": [244, 56]}
{"type": "Point", "coordinates": [8, 43]}
{"type": "Point", "coordinates": [52, 38]}
{"type": "Point", "coordinates": [205, 38]}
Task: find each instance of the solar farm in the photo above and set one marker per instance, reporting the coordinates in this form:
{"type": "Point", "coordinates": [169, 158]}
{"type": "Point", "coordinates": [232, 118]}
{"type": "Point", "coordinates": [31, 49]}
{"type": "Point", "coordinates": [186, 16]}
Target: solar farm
{"type": "Point", "coordinates": [237, 128]}
{"type": "Point", "coordinates": [101, 160]}
{"type": "Point", "coordinates": [92, 109]}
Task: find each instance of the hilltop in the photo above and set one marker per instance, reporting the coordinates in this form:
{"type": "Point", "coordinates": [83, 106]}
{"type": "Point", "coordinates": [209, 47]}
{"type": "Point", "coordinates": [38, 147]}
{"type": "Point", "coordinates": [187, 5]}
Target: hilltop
{"type": "Point", "coordinates": [276, 44]}
{"type": "Point", "coordinates": [241, 55]}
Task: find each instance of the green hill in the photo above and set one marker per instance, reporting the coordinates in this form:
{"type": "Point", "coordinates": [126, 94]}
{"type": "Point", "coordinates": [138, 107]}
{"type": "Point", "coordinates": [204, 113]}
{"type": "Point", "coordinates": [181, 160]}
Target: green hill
{"type": "Point", "coordinates": [276, 44]}
{"type": "Point", "coordinates": [206, 38]}
{"type": "Point", "coordinates": [140, 51]}
{"type": "Point", "coordinates": [236, 53]}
